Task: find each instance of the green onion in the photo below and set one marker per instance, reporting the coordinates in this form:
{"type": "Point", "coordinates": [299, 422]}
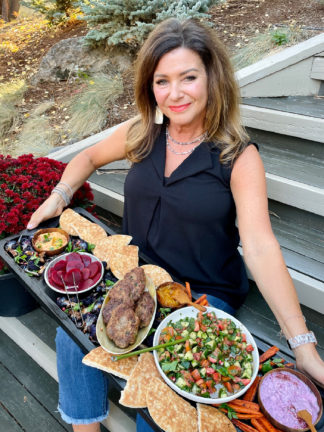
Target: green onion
{"type": "Point", "coordinates": [144, 350]}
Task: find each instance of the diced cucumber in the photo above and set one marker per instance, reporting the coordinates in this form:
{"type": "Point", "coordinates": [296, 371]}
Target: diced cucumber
{"type": "Point", "coordinates": [226, 363]}
{"type": "Point", "coordinates": [202, 372]}
{"type": "Point", "coordinates": [181, 383]}
{"type": "Point", "coordinates": [222, 393]}
{"type": "Point", "coordinates": [199, 334]}
{"type": "Point", "coordinates": [178, 347]}
{"type": "Point", "coordinates": [194, 363]}
{"type": "Point", "coordinates": [195, 349]}
{"type": "Point", "coordinates": [193, 335]}
{"type": "Point", "coordinates": [185, 333]}
{"type": "Point", "coordinates": [184, 323]}
{"type": "Point", "coordinates": [188, 356]}
{"type": "Point", "coordinates": [211, 344]}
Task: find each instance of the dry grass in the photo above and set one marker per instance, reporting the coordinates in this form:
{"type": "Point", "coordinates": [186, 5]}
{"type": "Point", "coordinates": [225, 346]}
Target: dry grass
{"type": "Point", "coordinates": [266, 44]}
{"type": "Point", "coordinates": [88, 109]}
{"type": "Point", "coordinates": [10, 95]}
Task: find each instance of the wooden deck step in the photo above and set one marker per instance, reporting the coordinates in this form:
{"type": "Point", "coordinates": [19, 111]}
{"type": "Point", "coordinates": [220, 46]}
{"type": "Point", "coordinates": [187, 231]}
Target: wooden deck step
{"type": "Point", "coordinates": [310, 106]}
{"type": "Point", "coordinates": [34, 334]}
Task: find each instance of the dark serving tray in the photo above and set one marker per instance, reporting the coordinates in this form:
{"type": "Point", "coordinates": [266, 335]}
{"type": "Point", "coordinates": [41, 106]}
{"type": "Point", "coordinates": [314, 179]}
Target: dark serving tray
{"type": "Point", "coordinates": [47, 300]}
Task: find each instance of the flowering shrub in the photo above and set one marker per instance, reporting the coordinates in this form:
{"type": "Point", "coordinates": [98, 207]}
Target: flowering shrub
{"type": "Point", "coordinates": [25, 183]}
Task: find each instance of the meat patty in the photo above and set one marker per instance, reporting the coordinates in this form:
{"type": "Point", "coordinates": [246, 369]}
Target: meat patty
{"type": "Point", "coordinates": [145, 308]}
{"type": "Point", "coordinates": [122, 327]}
{"type": "Point", "coordinates": [121, 292]}
{"type": "Point", "coordinates": [137, 280]}
{"type": "Point", "coordinates": [108, 308]}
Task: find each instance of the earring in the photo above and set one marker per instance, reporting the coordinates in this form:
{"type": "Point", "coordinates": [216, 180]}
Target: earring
{"type": "Point", "coordinates": [158, 116]}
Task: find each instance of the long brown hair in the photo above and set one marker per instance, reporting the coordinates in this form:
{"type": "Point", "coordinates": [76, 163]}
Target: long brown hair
{"type": "Point", "coordinates": [222, 120]}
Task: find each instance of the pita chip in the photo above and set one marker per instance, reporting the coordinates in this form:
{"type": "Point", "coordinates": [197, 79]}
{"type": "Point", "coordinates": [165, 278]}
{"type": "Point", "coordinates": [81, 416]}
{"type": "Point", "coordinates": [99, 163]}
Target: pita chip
{"type": "Point", "coordinates": [134, 394]}
{"type": "Point", "coordinates": [157, 274]}
{"type": "Point", "coordinates": [101, 359]}
{"type": "Point", "coordinates": [169, 410]}
{"type": "Point", "coordinates": [123, 260]}
{"type": "Point", "coordinates": [210, 419]}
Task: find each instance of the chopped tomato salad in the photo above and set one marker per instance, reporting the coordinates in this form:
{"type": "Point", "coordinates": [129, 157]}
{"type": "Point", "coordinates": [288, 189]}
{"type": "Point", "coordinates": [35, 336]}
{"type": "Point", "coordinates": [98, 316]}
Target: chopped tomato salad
{"type": "Point", "coordinates": [215, 361]}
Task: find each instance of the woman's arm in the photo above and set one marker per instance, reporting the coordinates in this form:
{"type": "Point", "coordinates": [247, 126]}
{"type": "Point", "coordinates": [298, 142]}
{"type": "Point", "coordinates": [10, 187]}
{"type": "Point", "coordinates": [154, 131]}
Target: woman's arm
{"type": "Point", "coordinates": [79, 170]}
{"type": "Point", "coordinates": [263, 256]}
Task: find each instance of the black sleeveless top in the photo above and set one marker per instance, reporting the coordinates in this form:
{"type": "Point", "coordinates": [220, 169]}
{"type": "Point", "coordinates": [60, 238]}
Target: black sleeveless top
{"type": "Point", "coordinates": [186, 222]}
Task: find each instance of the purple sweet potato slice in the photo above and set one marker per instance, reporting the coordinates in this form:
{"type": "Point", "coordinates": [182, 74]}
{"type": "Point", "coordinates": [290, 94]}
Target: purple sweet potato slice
{"type": "Point", "coordinates": [74, 265]}
{"type": "Point", "coordinates": [85, 284]}
{"type": "Point", "coordinates": [94, 268]}
{"type": "Point", "coordinates": [86, 260]}
{"type": "Point", "coordinates": [73, 256]}
{"type": "Point", "coordinates": [59, 265]}
{"type": "Point", "coordinates": [85, 273]}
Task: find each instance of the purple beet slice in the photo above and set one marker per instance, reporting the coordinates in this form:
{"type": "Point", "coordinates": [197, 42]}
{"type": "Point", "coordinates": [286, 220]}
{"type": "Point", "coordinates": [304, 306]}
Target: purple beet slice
{"type": "Point", "coordinates": [56, 277]}
{"type": "Point", "coordinates": [94, 268]}
{"type": "Point", "coordinates": [73, 277]}
{"type": "Point", "coordinates": [59, 265]}
{"type": "Point", "coordinates": [52, 282]}
{"type": "Point", "coordinates": [86, 260]}
{"type": "Point", "coordinates": [85, 284]}
{"type": "Point", "coordinates": [74, 265]}
{"type": "Point", "coordinates": [73, 256]}
{"type": "Point", "coordinates": [85, 273]}
{"type": "Point", "coordinates": [96, 277]}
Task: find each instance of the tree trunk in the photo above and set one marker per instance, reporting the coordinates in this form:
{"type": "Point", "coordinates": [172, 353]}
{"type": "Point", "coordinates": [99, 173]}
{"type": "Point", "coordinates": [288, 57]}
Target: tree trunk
{"type": "Point", "coordinates": [9, 9]}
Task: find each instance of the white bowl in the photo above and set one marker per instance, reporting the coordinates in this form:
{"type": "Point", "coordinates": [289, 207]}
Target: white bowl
{"type": "Point", "coordinates": [71, 291]}
{"type": "Point", "coordinates": [192, 312]}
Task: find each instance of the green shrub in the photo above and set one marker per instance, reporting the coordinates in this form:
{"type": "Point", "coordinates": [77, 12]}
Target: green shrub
{"type": "Point", "coordinates": [128, 22]}
{"type": "Point", "coordinates": [279, 37]}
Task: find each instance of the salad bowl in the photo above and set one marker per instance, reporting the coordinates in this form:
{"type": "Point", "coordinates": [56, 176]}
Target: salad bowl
{"type": "Point", "coordinates": [174, 370]}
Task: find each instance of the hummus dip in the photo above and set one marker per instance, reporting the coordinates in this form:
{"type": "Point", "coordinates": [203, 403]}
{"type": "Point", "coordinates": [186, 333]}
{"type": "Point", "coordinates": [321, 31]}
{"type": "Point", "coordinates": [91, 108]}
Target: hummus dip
{"type": "Point", "coordinates": [283, 394]}
{"type": "Point", "coordinates": [50, 241]}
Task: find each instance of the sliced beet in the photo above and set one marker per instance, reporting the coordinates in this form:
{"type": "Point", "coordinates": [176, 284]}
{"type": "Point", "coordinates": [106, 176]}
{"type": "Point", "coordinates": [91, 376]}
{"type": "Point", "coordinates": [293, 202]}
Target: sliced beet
{"type": "Point", "coordinates": [52, 282]}
{"type": "Point", "coordinates": [73, 256]}
{"type": "Point", "coordinates": [74, 265]}
{"type": "Point", "coordinates": [56, 277]}
{"type": "Point", "coordinates": [86, 260]}
{"type": "Point", "coordinates": [59, 265]}
{"type": "Point", "coordinates": [96, 277]}
{"type": "Point", "coordinates": [94, 268]}
{"type": "Point", "coordinates": [85, 273]}
{"type": "Point", "coordinates": [73, 277]}
{"type": "Point", "coordinates": [85, 284]}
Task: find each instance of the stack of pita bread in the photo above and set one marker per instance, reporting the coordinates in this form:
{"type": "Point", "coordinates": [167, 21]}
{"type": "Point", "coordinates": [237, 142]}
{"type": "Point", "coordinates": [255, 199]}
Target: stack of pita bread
{"type": "Point", "coordinates": [146, 389]}
{"type": "Point", "coordinates": [115, 250]}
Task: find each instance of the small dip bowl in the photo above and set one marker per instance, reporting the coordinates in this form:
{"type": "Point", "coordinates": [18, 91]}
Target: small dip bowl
{"type": "Point", "coordinates": [275, 385]}
{"type": "Point", "coordinates": [164, 294]}
{"type": "Point", "coordinates": [50, 248]}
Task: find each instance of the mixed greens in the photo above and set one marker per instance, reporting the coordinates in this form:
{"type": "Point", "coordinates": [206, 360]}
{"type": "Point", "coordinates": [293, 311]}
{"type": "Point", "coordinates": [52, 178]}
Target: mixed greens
{"type": "Point", "coordinates": [215, 361]}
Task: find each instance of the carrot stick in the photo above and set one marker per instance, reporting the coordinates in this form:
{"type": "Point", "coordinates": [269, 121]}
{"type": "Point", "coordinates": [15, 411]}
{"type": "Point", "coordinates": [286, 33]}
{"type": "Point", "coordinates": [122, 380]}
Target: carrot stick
{"type": "Point", "coordinates": [269, 353]}
{"type": "Point", "coordinates": [243, 426]}
{"type": "Point", "coordinates": [204, 302]}
{"type": "Point", "coordinates": [242, 409]}
{"type": "Point", "coordinates": [255, 415]}
{"type": "Point", "coordinates": [199, 299]}
{"type": "Point", "coordinates": [258, 426]}
{"type": "Point", "coordinates": [188, 290]}
{"type": "Point", "coordinates": [247, 404]}
{"type": "Point", "coordinates": [251, 392]}
{"type": "Point", "coordinates": [289, 365]}
{"type": "Point", "coordinates": [267, 425]}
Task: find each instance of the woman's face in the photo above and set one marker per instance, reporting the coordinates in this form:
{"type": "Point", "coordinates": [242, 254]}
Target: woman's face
{"type": "Point", "coordinates": [180, 87]}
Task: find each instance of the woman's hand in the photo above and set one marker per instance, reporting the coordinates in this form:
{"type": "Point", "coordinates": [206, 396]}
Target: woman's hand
{"type": "Point", "coordinates": [309, 362]}
{"type": "Point", "coordinates": [50, 208]}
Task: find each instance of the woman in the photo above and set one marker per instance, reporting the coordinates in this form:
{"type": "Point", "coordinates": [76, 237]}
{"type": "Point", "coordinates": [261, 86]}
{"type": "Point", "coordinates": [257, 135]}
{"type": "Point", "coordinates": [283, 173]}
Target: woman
{"type": "Point", "coordinates": [193, 173]}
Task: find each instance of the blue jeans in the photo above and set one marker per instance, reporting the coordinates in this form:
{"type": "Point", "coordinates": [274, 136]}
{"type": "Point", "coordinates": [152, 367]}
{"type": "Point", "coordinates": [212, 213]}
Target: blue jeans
{"type": "Point", "coordinates": [83, 390]}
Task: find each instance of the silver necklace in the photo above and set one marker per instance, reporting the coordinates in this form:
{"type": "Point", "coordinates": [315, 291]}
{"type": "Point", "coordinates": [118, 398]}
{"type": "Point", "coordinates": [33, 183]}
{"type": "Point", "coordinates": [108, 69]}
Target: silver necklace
{"type": "Point", "coordinates": [180, 153]}
{"type": "Point", "coordinates": [199, 139]}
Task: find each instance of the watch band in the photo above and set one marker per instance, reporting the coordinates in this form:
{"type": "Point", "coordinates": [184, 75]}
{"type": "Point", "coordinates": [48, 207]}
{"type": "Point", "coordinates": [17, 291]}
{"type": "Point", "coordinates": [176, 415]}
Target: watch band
{"type": "Point", "coordinates": [301, 339]}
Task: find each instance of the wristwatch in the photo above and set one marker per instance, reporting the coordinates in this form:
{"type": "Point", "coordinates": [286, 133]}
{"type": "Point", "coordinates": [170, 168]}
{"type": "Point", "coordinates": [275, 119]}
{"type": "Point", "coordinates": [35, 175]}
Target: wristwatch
{"type": "Point", "coordinates": [301, 339]}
